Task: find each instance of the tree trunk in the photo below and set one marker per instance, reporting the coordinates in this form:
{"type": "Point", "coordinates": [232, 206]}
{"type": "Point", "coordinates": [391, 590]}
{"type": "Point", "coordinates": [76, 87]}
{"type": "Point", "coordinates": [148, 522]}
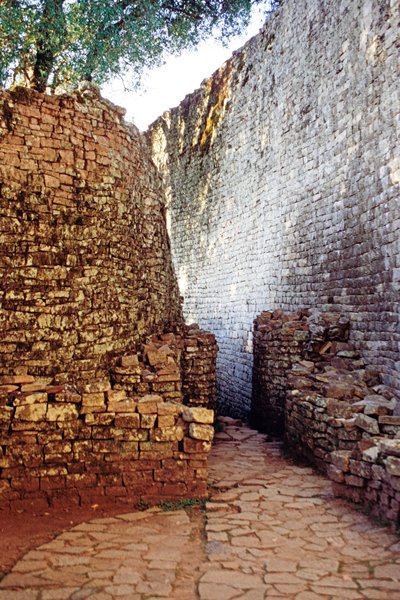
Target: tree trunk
{"type": "Point", "coordinates": [49, 42]}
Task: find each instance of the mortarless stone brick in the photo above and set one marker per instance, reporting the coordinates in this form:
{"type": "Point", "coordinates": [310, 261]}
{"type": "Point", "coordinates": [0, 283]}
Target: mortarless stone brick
{"type": "Point", "coordinates": [198, 415]}
{"type": "Point", "coordinates": [201, 432]}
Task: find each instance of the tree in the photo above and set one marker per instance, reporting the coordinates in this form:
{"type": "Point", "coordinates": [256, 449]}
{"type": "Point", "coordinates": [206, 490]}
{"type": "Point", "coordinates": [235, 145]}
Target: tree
{"type": "Point", "coordinates": [44, 43]}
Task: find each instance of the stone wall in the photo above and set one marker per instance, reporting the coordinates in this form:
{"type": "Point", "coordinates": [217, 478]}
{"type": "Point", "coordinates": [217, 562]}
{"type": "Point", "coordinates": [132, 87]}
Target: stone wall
{"type": "Point", "coordinates": [85, 261]}
{"type": "Point", "coordinates": [335, 411]}
{"type": "Point", "coordinates": [283, 180]}
{"type": "Point", "coordinates": [87, 412]}
{"type": "Point", "coordinates": [341, 417]}
{"type": "Point", "coordinates": [125, 440]}
{"type": "Point", "coordinates": [279, 340]}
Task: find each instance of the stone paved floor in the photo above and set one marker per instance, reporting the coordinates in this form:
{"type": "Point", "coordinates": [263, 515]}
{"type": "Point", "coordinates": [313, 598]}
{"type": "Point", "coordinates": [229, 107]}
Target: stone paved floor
{"type": "Point", "coordinates": [273, 531]}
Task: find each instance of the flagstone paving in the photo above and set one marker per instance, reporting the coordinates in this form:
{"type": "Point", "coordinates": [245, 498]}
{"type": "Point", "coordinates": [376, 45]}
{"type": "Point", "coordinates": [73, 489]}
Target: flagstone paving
{"type": "Point", "coordinates": [272, 530]}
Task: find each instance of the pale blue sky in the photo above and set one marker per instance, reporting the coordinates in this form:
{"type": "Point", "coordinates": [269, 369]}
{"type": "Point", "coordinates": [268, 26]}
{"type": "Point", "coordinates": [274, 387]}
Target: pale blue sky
{"type": "Point", "coordinates": [166, 86]}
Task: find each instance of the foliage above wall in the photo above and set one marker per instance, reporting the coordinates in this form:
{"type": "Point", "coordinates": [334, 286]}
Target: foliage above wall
{"type": "Point", "coordinates": [52, 42]}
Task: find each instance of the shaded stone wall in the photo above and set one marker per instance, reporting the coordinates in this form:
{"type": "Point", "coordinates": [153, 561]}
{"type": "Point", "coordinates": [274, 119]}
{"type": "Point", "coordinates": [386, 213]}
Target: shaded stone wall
{"type": "Point", "coordinates": [283, 176]}
{"type": "Point", "coordinates": [125, 439]}
{"type": "Point", "coordinates": [85, 264]}
{"type": "Point", "coordinates": [279, 341]}
{"type": "Point", "coordinates": [312, 382]}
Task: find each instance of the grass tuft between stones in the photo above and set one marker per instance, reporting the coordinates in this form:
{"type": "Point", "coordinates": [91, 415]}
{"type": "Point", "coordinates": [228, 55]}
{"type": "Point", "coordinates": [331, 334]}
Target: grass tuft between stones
{"type": "Point", "coordinates": [182, 503]}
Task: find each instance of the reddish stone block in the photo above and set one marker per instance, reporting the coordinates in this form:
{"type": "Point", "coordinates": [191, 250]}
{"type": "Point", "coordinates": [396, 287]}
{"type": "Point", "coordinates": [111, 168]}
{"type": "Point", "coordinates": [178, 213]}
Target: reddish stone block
{"type": "Point", "coordinates": [93, 498]}
{"type": "Point", "coordinates": [172, 474]}
{"type": "Point", "coordinates": [145, 464]}
{"type": "Point", "coordinates": [81, 480]}
{"type": "Point", "coordinates": [127, 421]}
{"type": "Point", "coordinates": [65, 499]}
{"type": "Point", "coordinates": [166, 421]}
{"type": "Point", "coordinates": [47, 484]}
{"type": "Point", "coordinates": [115, 491]}
{"type": "Point", "coordinates": [102, 446]}
{"type": "Point", "coordinates": [75, 468]}
{"type": "Point", "coordinates": [198, 463]}
{"type": "Point", "coordinates": [196, 446]}
{"type": "Point", "coordinates": [122, 461]}
{"type": "Point", "coordinates": [25, 484]}
{"type": "Point", "coordinates": [146, 491]}
{"type": "Point", "coordinates": [16, 379]}
{"type": "Point", "coordinates": [112, 479]}
{"type": "Point", "coordinates": [174, 490]}
{"type": "Point", "coordinates": [353, 480]}
{"type": "Point", "coordinates": [197, 489]}
{"type": "Point", "coordinates": [136, 477]}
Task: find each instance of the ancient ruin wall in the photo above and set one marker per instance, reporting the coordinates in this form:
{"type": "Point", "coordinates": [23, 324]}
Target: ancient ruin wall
{"type": "Point", "coordinates": [311, 381]}
{"type": "Point", "coordinates": [284, 180]}
{"type": "Point", "coordinates": [127, 438]}
{"type": "Point", "coordinates": [85, 264]}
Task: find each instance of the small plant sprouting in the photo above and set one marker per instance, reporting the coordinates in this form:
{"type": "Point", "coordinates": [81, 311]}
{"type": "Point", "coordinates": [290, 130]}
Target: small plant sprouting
{"type": "Point", "coordinates": [142, 505]}
{"type": "Point", "coordinates": [182, 503]}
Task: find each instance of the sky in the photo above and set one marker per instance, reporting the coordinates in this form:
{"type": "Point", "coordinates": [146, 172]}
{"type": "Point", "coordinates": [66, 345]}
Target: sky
{"type": "Point", "coordinates": [165, 86]}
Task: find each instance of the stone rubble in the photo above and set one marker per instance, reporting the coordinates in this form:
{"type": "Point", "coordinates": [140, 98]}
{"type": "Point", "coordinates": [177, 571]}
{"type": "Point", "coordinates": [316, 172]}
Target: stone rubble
{"type": "Point", "coordinates": [181, 365]}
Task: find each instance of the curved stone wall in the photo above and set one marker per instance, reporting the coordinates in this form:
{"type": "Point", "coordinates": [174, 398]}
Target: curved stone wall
{"type": "Point", "coordinates": [283, 173]}
{"type": "Point", "coordinates": [85, 264]}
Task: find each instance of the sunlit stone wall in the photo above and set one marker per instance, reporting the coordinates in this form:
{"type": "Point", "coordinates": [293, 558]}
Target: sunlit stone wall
{"type": "Point", "coordinates": [283, 173]}
{"type": "Point", "coordinates": [85, 263]}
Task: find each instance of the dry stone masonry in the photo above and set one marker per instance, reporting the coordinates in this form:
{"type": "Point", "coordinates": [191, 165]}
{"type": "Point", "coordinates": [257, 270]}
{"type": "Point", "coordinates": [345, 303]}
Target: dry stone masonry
{"type": "Point", "coordinates": [279, 339]}
{"type": "Point", "coordinates": [127, 439]}
{"type": "Point", "coordinates": [84, 257]}
{"type": "Point", "coordinates": [91, 404]}
{"type": "Point", "coordinates": [283, 174]}
{"type": "Point", "coordinates": [334, 409]}
{"type": "Point", "coordinates": [182, 368]}
{"type": "Point", "coordinates": [282, 180]}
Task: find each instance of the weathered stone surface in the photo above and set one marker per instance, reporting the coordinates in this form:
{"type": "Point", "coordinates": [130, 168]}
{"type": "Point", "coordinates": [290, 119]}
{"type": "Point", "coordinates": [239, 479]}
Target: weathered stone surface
{"type": "Point", "coordinates": [198, 415]}
{"type": "Point", "coordinates": [392, 464]}
{"type": "Point", "coordinates": [256, 175]}
{"type": "Point", "coordinates": [74, 221]}
{"type": "Point", "coordinates": [168, 408]}
{"type": "Point", "coordinates": [35, 398]}
{"type": "Point", "coordinates": [147, 421]}
{"type": "Point", "coordinates": [340, 459]}
{"type": "Point", "coordinates": [31, 412]}
{"type": "Point", "coordinates": [116, 395]}
{"type": "Point", "coordinates": [94, 402]}
{"type": "Point", "coordinates": [148, 404]}
{"type": "Point", "coordinates": [168, 434]}
{"type": "Point", "coordinates": [335, 473]}
{"type": "Point", "coordinates": [201, 432]}
{"type": "Point", "coordinates": [16, 379]}
{"type": "Point", "coordinates": [130, 361]}
{"type": "Point", "coordinates": [375, 405]}
{"type": "Point", "coordinates": [61, 412]}
{"type": "Point", "coordinates": [61, 439]}
{"type": "Point", "coordinates": [367, 423]}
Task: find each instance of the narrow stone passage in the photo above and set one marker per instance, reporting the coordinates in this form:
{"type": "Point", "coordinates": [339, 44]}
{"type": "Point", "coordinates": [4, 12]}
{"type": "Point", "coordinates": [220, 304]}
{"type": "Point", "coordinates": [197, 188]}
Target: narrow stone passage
{"type": "Point", "coordinates": [273, 530]}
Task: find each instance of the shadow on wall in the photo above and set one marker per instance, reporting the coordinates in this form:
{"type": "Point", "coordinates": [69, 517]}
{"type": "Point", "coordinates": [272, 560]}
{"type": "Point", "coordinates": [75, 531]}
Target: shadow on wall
{"type": "Point", "coordinates": [281, 183]}
{"type": "Point", "coordinates": [183, 142]}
